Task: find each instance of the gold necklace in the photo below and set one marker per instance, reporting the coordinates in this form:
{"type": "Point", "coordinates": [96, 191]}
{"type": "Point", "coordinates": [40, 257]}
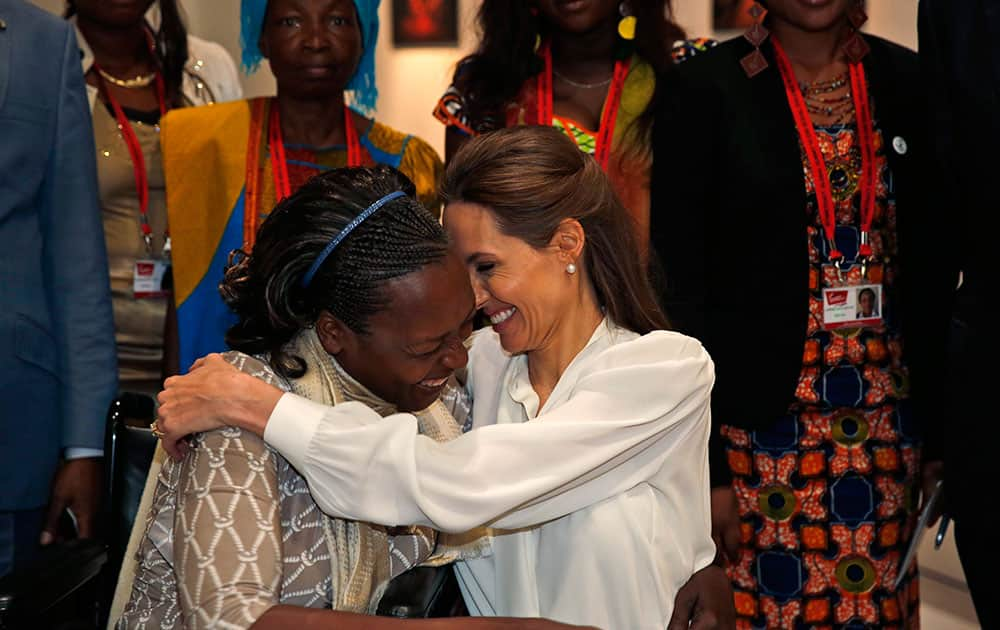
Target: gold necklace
{"type": "Point", "coordinates": [140, 81]}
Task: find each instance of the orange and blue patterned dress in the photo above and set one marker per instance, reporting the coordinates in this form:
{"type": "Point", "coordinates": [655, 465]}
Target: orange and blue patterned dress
{"type": "Point", "coordinates": [827, 494]}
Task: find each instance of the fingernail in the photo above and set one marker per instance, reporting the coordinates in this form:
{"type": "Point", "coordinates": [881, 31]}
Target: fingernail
{"type": "Point", "coordinates": [46, 538]}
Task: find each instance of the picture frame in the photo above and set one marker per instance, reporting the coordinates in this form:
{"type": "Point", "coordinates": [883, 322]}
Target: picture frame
{"type": "Point", "coordinates": [425, 23]}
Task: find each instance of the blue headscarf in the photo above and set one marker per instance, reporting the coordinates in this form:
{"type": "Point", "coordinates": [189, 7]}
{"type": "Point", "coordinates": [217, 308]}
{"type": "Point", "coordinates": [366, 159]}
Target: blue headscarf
{"type": "Point", "coordinates": [363, 93]}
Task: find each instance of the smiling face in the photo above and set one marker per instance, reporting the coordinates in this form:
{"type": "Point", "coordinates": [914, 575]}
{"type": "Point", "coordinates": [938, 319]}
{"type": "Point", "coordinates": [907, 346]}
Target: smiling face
{"type": "Point", "coordinates": [414, 344]}
{"type": "Point", "coordinates": [525, 291]}
{"type": "Point", "coordinates": [313, 46]}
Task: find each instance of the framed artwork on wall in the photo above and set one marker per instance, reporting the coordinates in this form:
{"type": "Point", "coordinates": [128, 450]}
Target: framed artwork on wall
{"type": "Point", "coordinates": [424, 23]}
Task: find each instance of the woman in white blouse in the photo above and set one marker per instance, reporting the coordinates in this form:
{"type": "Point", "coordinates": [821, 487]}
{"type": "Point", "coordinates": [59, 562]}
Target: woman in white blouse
{"type": "Point", "coordinates": [587, 457]}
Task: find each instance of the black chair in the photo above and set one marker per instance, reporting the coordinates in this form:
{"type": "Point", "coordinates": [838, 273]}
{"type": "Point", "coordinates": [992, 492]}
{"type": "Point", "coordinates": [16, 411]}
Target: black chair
{"type": "Point", "coordinates": [128, 450]}
{"type": "Point", "coordinates": [59, 590]}
{"type": "Point", "coordinates": [423, 592]}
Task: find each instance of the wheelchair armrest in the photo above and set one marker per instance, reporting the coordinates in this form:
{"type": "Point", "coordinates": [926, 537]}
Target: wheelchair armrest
{"type": "Point", "coordinates": [422, 592]}
{"type": "Point", "coordinates": [56, 573]}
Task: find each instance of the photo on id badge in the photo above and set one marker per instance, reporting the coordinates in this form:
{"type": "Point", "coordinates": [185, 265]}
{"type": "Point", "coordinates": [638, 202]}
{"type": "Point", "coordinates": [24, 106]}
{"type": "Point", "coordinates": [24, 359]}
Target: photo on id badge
{"type": "Point", "coordinates": [151, 278]}
{"type": "Point", "coordinates": [852, 306]}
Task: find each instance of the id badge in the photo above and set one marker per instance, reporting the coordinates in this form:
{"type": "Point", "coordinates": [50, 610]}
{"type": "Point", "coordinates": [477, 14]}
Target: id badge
{"type": "Point", "coordinates": [854, 306]}
{"type": "Point", "coordinates": [151, 278]}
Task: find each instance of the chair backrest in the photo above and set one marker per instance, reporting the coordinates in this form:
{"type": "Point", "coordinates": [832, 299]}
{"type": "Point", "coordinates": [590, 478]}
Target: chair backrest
{"type": "Point", "coordinates": [129, 447]}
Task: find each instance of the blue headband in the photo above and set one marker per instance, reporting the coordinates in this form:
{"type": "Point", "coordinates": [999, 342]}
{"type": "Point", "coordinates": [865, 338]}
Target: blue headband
{"type": "Point", "coordinates": [363, 93]}
{"type": "Point", "coordinates": [358, 220]}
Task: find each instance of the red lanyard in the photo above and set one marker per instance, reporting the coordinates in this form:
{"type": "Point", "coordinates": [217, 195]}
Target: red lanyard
{"type": "Point", "coordinates": [612, 102]}
{"type": "Point", "coordinates": [279, 161]}
{"type": "Point", "coordinates": [135, 149]}
{"type": "Point", "coordinates": [814, 155]}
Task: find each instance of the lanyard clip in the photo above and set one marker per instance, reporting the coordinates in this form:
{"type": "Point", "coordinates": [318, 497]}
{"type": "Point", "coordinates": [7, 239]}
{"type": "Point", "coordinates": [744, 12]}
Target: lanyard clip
{"type": "Point", "coordinates": [837, 258]}
{"type": "Point", "coordinates": [864, 253]}
{"type": "Point", "coordinates": [149, 243]}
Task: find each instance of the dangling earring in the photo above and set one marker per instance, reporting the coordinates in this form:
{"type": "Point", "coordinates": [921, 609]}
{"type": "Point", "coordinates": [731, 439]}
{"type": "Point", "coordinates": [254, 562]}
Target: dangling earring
{"type": "Point", "coordinates": [626, 25]}
{"type": "Point", "coordinates": [533, 9]}
{"type": "Point", "coordinates": [755, 63]}
{"type": "Point", "coordinates": [571, 269]}
{"type": "Point", "coordinates": [856, 47]}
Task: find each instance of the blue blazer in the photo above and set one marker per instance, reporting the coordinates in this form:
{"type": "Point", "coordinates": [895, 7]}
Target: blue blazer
{"type": "Point", "coordinates": [58, 368]}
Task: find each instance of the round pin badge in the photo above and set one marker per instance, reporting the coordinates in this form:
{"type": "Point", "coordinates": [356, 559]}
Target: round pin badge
{"type": "Point", "coordinates": [899, 145]}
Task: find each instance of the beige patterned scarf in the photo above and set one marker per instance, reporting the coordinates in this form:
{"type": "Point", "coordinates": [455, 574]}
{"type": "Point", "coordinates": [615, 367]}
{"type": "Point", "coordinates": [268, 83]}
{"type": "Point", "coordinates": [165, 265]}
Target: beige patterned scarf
{"type": "Point", "coordinates": [359, 551]}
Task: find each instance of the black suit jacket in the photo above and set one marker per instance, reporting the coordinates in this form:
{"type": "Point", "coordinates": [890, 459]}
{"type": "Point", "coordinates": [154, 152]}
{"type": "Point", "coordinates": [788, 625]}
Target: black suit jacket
{"type": "Point", "coordinates": [728, 222]}
{"type": "Point", "coordinates": [960, 55]}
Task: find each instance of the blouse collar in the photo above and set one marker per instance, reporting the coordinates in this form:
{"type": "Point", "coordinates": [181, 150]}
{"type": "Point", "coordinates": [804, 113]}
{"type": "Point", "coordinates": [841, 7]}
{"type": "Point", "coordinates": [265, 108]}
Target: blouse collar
{"type": "Point", "coordinates": [519, 386]}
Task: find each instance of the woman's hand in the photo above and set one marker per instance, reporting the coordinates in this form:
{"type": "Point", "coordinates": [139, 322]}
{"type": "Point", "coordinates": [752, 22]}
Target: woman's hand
{"type": "Point", "coordinates": [213, 395]}
{"type": "Point", "coordinates": [705, 602]}
{"type": "Point", "coordinates": [726, 522]}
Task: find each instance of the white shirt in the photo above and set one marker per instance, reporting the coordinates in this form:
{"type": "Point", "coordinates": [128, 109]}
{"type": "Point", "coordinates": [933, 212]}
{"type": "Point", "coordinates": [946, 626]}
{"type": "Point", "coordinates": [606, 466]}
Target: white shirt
{"type": "Point", "coordinates": [606, 486]}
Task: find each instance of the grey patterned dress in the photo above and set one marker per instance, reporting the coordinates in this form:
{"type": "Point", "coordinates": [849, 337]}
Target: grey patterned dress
{"type": "Point", "coordinates": [233, 531]}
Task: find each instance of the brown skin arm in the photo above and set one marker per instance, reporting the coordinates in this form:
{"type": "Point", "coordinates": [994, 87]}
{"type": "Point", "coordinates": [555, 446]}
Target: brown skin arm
{"type": "Point", "coordinates": [281, 617]}
{"type": "Point", "coordinates": [77, 486]}
{"type": "Point", "coordinates": [705, 602]}
{"type": "Point", "coordinates": [726, 522]}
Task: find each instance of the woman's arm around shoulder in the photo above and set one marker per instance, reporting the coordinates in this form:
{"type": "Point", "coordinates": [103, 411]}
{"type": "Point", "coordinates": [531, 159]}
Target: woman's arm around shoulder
{"type": "Point", "coordinates": [632, 407]}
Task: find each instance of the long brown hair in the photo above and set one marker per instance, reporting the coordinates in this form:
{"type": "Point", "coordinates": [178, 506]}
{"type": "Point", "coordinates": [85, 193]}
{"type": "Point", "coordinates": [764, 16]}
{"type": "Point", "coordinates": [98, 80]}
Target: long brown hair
{"type": "Point", "coordinates": [532, 178]}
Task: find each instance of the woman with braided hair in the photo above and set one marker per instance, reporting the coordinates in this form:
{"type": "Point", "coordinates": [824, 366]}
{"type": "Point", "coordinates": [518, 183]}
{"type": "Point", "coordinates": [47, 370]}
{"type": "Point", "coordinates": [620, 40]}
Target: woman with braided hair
{"type": "Point", "coordinates": [233, 538]}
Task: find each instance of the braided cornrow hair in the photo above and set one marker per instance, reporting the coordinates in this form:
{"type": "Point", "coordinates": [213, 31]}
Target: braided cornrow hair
{"type": "Point", "coordinates": [265, 288]}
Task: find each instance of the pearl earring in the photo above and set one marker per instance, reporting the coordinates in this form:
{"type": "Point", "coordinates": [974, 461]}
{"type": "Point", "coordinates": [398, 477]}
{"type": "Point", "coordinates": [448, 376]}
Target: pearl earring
{"type": "Point", "coordinates": [571, 269]}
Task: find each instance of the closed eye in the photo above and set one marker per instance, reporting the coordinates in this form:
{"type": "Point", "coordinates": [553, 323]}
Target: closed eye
{"type": "Point", "coordinates": [485, 267]}
{"type": "Point", "coordinates": [424, 355]}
